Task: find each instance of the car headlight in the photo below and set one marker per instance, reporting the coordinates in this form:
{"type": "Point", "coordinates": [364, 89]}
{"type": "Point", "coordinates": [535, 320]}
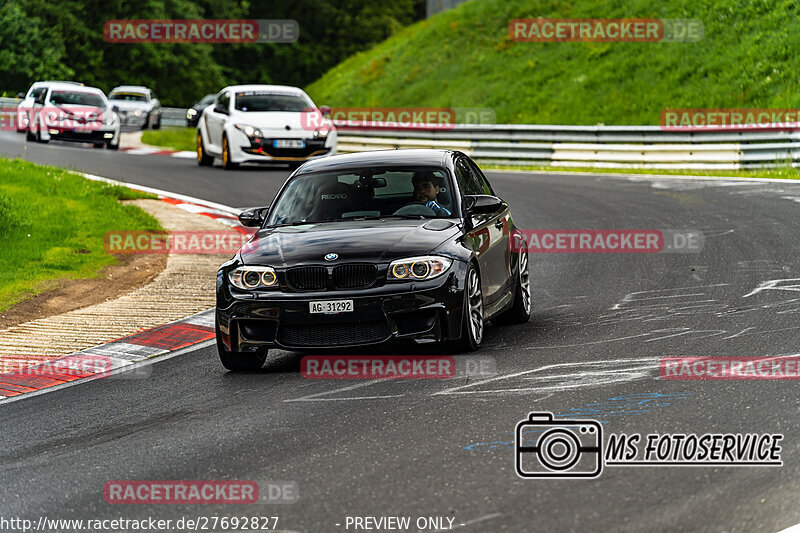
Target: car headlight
{"type": "Point", "coordinates": [109, 119]}
{"type": "Point", "coordinates": [191, 112]}
{"type": "Point", "coordinates": [250, 131]}
{"type": "Point", "coordinates": [418, 268]}
{"type": "Point", "coordinates": [253, 277]}
{"type": "Point", "coordinates": [137, 112]}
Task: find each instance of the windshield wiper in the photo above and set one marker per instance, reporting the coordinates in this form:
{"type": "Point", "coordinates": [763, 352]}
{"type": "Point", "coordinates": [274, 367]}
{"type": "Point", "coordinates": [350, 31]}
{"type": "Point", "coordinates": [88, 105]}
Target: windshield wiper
{"type": "Point", "coordinates": [301, 223]}
{"type": "Point", "coordinates": [407, 217]}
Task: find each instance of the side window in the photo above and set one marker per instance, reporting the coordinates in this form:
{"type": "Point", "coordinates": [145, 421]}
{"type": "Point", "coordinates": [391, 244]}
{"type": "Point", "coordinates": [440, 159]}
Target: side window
{"type": "Point", "coordinates": [484, 184]}
{"type": "Point", "coordinates": [467, 180]}
{"type": "Point", "coordinates": [224, 100]}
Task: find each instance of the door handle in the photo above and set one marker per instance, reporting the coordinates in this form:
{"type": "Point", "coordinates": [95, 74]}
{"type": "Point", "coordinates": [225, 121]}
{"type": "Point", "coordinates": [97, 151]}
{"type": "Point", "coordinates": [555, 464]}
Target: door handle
{"type": "Point", "coordinates": [500, 223]}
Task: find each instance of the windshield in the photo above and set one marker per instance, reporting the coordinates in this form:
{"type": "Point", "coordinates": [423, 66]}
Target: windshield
{"type": "Point", "coordinates": [364, 193]}
{"type": "Point", "coordinates": [128, 97]}
{"type": "Point", "coordinates": [76, 98]}
{"type": "Point", "coordinates": [262, 101]}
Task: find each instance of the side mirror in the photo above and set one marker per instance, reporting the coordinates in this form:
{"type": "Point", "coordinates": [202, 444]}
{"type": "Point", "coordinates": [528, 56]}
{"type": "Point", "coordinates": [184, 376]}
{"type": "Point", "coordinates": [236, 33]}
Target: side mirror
{"type": "Point", "coordinates": [483, 203]}
{"type": "Point", "coordinates": [325, 110]}
{"type": "Point", "coordinates": [253, 217]}
{"type": "Point", "coordinates": [40, 98]}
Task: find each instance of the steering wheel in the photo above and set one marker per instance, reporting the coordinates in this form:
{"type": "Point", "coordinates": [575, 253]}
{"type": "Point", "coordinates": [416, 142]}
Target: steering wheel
{"type": "Point", "coordinates": [415, 208]}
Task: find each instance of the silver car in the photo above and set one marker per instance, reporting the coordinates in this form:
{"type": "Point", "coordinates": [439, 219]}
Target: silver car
{"type": "Point", "coordinates": [136, 106]}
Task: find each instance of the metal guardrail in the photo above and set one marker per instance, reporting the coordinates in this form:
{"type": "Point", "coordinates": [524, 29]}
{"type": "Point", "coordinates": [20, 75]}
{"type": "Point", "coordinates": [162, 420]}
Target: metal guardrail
{"type": "Point", "coordinates": [576, 146]}
{"type": "Point", "coordinates": [594, 146]}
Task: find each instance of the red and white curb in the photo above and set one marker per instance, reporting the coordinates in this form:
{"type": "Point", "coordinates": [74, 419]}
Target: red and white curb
{"type": "Point", "coordinates": [113, 356]}
{"type": "Point", "coordinates": [147, 150]}
{"type": "Point", "coordinates": [223, 217]}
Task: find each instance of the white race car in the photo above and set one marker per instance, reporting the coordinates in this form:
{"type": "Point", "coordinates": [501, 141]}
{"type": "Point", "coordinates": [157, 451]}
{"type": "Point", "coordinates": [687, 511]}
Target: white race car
{"type": "Point", "coordinates": [24, 107]}
{"type": "Point", "coordinates": [263, 124]}
{"type": "Point", "coordinates": [136, 106]}
{"type": "Point", "coordinates": [69, 112]}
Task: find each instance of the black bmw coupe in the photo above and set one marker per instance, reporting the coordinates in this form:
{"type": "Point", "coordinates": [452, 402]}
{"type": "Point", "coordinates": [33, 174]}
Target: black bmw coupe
{"type": "Point", "coordinates": [365, 248]}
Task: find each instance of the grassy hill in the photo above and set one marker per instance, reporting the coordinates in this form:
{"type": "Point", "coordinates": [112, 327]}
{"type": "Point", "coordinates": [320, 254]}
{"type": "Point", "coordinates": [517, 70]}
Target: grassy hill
{"type": "Point", "coordinates": [749, 57]}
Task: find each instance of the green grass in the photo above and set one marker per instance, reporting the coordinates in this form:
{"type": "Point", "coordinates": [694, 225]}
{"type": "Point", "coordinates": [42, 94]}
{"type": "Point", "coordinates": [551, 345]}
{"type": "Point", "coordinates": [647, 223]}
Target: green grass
{"type": "Point", "coordinates": [464, 58]}
{"type": "Point", "coordinates": [52, 224]}
{"type": "Point", "coordinates": [173, 138]}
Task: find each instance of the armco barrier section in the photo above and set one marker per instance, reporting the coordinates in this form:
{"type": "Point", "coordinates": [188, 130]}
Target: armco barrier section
{"type": "Point", "coordinates": [594, 146]}
{"type": "Point", "coordinates": [576, 146]}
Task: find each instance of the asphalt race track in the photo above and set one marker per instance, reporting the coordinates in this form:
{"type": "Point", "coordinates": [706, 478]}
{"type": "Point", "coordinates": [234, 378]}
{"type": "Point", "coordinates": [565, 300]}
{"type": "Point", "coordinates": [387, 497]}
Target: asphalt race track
{"type": "Point", "coordinates": [600, 324]}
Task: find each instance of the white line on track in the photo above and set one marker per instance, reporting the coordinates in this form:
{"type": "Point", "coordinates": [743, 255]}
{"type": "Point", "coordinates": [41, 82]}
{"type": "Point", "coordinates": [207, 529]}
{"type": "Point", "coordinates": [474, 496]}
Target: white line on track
{"type": "Point", "coordinates": [165, 194]}
{"type": "Point", "coordinates": [316, 397]}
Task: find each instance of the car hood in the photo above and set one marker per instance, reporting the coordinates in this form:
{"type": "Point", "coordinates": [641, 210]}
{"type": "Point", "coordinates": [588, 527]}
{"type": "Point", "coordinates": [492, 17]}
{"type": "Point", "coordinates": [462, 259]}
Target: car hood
{"type": "Point", "coordinates": [289, 123]}
{"type": "Point", "coordinates": [126, 105]}
{"type": "Point", "coordinates": [353, 241]}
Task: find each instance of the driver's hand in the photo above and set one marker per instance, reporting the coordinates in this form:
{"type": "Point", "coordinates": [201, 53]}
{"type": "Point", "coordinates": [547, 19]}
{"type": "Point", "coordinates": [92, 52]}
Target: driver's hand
{"type": "Point", "coordinates": [437, 208]}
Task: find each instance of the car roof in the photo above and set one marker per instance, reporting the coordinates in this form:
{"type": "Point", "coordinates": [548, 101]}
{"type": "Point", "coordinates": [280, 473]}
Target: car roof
{"type": "Point", "coordinates": [276, 88]}
{"type": "Point", "coordinates": [74, 87]}
{"type": "Point", "coordinates": [131, 88]}
{"type": "Point", "coordinates": [57, 81]}
{"type": "Point", "coordinates": [412, 157]}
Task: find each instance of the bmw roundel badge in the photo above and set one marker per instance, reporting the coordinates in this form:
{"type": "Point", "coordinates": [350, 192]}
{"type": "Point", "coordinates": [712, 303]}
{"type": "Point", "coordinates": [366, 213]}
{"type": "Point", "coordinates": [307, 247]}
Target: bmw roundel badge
{"type": "Point", "coordinates": [331, 257]}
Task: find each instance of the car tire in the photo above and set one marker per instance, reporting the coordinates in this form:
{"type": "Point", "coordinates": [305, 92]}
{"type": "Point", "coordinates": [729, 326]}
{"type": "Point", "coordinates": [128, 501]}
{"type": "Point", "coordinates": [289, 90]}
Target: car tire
{"type": "Point", "coordinates": [39, 137]}
{"type": "Point", "coordinates": [29, 136]}
{"type": "Point", "coordinates": [520, 310]}
{"type": "Point", "coordinates": [240, 361]}
{"type": "Point", "coordinates": [112, 146]}
{"type": "Point", "coordinates": [146, 122]}
{"type": "Point", "coordinates": [472, 322]}
{"type": "Point", "coordinates": [203, 159]}
{"type": "Point", "coordinates": [157, 124]}
{"type": "Point", "coordinates": [227, 164]}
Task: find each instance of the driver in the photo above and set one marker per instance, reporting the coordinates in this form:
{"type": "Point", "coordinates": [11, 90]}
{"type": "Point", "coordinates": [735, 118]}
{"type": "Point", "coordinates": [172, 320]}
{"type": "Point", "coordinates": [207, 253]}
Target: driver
{"type": "Point", "coordinates": [426, 189]}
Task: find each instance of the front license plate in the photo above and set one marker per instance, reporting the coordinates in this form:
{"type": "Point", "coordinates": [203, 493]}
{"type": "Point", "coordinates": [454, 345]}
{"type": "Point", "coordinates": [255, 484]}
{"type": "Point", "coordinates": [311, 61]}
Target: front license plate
{"type": "Point", "coordinates": [331, 306]}
{"type": "Point", "coordinates": [288, 143]}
